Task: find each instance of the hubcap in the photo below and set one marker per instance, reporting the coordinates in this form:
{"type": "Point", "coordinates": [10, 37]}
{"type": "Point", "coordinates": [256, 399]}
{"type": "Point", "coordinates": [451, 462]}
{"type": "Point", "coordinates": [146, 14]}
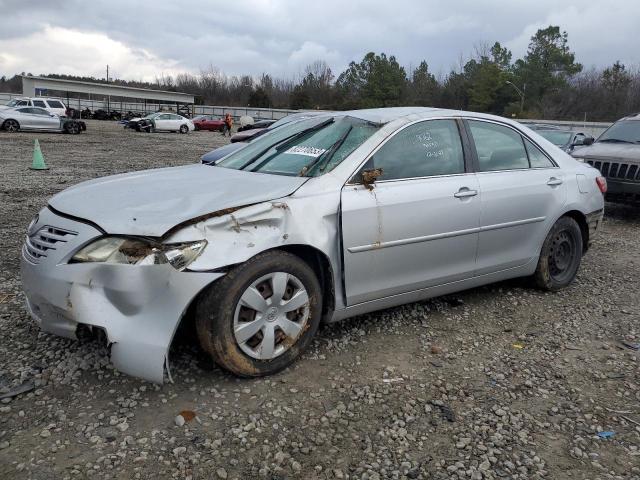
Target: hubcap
{"type": "Point", "coordinates": [270, 316]}
{"type": "Point", "coordinates": [11, 126]}
{"type": "Point", "coordinates": [561, 255]}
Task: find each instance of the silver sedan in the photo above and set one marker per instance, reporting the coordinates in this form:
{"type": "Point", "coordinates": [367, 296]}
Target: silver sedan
{"type": "Point", "coordinates": [35, 118]}
{"type": "Point", "coordinates": [319, 220]}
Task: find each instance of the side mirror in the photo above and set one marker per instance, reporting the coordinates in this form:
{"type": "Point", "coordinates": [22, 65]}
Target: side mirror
{"type": "Point", "coordinates": [370, 176]}
{"type": "Point", "coordinates": [588, 140]}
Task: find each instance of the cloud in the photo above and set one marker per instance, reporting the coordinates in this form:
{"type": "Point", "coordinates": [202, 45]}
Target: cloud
{"type": "Point", "coordinates": [142, 40]}
{"type": "Point", "coordinates": [61, 50]}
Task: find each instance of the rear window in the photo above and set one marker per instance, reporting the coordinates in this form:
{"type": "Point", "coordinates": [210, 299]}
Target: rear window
{"type": "Point", "coordinates": [55, 104]}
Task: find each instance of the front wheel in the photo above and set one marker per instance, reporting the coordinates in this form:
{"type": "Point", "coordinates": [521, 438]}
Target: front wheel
{"type": "Point", "coordinates": [184, 129]}
{"type": "Point", "coordinates": [258, 318]}
{"type": "Point", "coordinates": [560, 256]}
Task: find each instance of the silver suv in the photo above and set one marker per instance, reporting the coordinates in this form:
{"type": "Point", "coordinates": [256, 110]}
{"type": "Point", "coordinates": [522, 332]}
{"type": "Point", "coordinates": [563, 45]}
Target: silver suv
{"type": "Point", "coordinates": [616, 153]}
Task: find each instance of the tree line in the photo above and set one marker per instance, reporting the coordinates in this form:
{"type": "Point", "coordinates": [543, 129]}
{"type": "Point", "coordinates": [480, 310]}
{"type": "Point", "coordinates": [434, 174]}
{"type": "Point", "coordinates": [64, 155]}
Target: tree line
{"type": "Point", "coordinates": [547, 83]}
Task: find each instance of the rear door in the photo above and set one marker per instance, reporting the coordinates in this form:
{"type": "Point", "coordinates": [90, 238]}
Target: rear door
{"type": "Point", "coordinates": [523, 192]}
{"type": "Point", "coordinates": [418, 225]}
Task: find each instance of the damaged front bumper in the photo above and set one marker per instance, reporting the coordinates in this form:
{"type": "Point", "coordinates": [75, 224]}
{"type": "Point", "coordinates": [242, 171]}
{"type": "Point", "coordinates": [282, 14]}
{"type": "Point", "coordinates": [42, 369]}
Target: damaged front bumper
{"type": "Point", "coordinates": [138, 307]}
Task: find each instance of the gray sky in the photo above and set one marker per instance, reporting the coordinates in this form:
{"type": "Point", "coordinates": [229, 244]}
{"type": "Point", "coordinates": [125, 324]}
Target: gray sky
{"type": "Point", "coordinates": [144, 39]}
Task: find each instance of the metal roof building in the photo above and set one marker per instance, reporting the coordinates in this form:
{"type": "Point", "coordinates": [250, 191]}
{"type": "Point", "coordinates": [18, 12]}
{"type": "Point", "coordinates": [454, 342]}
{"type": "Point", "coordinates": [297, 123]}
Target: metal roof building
{"type": "Point", "coordinates": [30, 84]}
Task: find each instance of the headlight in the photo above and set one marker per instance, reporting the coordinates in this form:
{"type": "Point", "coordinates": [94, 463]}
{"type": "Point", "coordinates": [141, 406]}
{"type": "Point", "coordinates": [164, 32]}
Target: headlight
{"type": "Point", "coordinates": [579, 159]}
{"type": "Point", "coordinates": [135, 251]}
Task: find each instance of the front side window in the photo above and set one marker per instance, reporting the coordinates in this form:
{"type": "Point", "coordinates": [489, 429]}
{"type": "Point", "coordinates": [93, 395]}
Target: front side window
{"type": "Point", "coordinates": [306, 148]}
{"type": "Point", "coordinates": [498, 147]}
{"type": "Point", "coordinates": [25, 110]}
{"type": "Point", "coordinates": [425, 149]}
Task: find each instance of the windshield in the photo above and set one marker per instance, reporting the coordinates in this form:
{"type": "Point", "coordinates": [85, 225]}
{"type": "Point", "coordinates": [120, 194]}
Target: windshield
{"type": "Point", "coordinates": [556, 137]}
{"type": "Point", "coordinates": [13, 103]}
{"type": "Point", "coordinates": [306, 148]}
{"type": "Point", "coordinates": [625, 131]}
{"type": "Point", "coordinates": [151, 115]}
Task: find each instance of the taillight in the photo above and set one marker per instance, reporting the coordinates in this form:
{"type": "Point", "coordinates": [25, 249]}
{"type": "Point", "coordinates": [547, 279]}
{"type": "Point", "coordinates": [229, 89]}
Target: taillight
{"type": "Point", "coordinates": [602, 184]}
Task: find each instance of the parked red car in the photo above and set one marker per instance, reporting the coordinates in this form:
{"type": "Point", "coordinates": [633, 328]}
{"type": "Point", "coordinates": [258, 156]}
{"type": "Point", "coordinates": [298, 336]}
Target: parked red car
{"type": "Point", "coordinates": [208, 122]}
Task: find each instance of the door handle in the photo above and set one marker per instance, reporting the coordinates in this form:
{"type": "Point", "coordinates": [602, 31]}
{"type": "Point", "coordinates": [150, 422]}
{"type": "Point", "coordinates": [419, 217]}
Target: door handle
{"type": "Point", "coordinates": [553, 181]}
{"type": "Point", "coordinates": [464, 192]}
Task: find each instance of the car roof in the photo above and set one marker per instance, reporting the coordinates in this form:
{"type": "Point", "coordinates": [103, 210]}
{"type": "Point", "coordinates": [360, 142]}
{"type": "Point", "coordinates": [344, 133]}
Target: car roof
{"type": "Point", "coordinates": [632, 117]}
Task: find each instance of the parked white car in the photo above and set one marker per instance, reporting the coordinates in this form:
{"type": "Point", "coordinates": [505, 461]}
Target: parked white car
{"type": "Point", "coordinates": [51, 105]}
{"type": "Point", "coordinates": [162, 122]}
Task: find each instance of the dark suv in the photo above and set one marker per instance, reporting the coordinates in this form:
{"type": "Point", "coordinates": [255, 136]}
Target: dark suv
{"type": "Point", "coordinates": [616, 153]}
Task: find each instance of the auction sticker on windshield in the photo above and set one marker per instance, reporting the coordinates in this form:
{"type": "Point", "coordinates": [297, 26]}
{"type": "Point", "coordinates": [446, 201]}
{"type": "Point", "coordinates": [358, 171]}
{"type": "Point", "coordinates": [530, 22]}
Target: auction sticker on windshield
{"type": "Point", "coordinates": [308, 151]}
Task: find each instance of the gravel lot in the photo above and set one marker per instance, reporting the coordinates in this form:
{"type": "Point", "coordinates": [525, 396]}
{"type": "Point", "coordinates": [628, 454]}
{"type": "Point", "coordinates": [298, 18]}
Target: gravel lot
{"type": "Point", "coordinates": [497, 382]}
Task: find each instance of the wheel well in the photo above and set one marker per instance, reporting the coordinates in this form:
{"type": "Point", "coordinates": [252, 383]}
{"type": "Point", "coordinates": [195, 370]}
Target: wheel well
{"type": "Point", "coordinates": [581, 220]}
{"type": "Point", "coordinates": [322, 268]}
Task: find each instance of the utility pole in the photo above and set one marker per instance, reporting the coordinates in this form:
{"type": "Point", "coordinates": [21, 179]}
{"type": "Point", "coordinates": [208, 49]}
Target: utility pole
{"type": "Point", "coordinates": [108, 96]}
{"type": "Point", "coordinates": [521, 93]}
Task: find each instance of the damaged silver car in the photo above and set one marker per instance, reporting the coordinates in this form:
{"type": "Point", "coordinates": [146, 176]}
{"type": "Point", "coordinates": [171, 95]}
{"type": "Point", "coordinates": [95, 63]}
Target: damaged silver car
{"type": "Point", "coordinates": [319, 220]}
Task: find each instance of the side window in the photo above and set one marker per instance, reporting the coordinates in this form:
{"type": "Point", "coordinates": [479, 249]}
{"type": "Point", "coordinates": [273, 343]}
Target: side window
{"type": "Point", "coordinates": [537, 159]}
{"type": "Point", "coordinates": [25, 110]}
{"type": "Point", "coordinates": [498, 147]}
{"type": "Point", "coordinates": [428, 148]}
{"type": "Point", "coordinates": [55, 104]}
{"type": "Point", "coordinates": [40, 111]}
{"type": "Point", "coordinates": [22, 103]}
{"type": "Point", "coordinates": [39, 103]}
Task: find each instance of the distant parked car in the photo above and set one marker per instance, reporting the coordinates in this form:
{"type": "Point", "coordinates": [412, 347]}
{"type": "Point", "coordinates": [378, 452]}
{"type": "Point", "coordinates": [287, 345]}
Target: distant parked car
{"type": "Point", "coordinates": [616, 153]}
{"type": "Point", "coordinates": [52, 105]}
{"type": "Point", "coordinates": [209, 123]}
{"type": "Point", "coordinates": [258, 124]}
{"type": "Point", "coordinates": [161, 121]}
{"type": "Point", "coordinates": [215, 155]}
{"type": "Point", "coordinates": [564, 138]}
{"type": "Point", "coordinates": [34, 118]}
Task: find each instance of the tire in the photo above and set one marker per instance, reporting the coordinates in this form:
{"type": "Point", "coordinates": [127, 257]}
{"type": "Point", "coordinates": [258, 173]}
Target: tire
{"type": "Point", "coordinates": [238, 337]}
{"type": "Point", "coordinates": [72, 128]}
{"type": "Point", "coordinates": [560, 256]}
{"type": "Point", "coordinates": [184, 129]}
{"type": "Point", "coordinates": [11, 125]}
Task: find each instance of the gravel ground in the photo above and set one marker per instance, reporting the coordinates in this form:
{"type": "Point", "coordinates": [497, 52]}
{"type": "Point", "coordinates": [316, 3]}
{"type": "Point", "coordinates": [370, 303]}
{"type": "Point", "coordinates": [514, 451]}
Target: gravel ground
{"type": "Point", "coordinates": [497, 382]}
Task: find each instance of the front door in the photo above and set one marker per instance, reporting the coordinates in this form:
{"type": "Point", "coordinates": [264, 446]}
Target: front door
{"type": "Point", "coordinates": [417, 226]}
{"type": "Point", "coordinates": [522, 194]}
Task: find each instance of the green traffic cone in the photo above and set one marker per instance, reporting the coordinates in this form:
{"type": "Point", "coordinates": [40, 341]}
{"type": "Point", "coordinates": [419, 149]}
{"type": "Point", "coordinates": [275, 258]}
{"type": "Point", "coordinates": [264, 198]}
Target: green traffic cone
{"type": "Point", "coordinates": [38, 158]}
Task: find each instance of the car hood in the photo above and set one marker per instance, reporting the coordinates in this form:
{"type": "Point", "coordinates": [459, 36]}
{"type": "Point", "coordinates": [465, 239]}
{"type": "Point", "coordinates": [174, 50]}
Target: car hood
{"type": "Point", "coordinates": [247, 134]}
{"type": "Point", "coordinates": [624, 151]}
{"type": "Point", "coordinates": [151, 202]}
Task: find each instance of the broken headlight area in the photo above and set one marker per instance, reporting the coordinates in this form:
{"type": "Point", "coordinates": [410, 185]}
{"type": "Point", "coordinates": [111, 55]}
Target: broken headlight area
{"type": "Point", "coordinates": [137, 251]}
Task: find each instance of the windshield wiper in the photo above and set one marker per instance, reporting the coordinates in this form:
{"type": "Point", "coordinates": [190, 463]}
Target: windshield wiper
{"type": "Point", "coordinates": [614, 140]}
{"type": "Point", "coordinates": [327, 155]}
{"type": "Point", "coordinates": [285, 141]}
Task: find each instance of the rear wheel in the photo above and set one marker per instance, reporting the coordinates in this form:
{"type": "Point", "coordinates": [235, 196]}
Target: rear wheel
{"type": "Point", "coordinates": [72, 127]}
{"type": "Point", "coordinates": [560, 256]}
{"type": "Point", "coordinates": [184, 129]}
{"type": "Point", "coordinates": [11, 125]}
{"type": "Point", "coordinates": [257, 319]}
